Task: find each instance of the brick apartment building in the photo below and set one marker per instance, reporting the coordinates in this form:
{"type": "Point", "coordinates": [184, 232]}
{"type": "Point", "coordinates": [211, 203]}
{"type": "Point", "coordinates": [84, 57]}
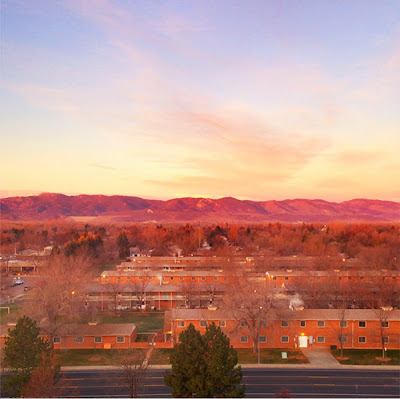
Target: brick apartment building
{"type": "Point", "coordinates": [357, 328]}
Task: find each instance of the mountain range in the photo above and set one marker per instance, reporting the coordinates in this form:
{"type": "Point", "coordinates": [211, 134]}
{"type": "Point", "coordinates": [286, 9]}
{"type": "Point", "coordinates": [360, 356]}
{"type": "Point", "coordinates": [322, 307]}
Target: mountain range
{"type": "Point", "coordinates": [117, 208]}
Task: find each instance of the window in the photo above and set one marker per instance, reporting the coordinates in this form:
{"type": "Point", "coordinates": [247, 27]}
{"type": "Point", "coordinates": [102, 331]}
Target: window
{"type": "Point", "coordinates": [343, 339]}
{"type": "Point", "coordinates": [181, 278]}
{"type": "Point", "coordinates": [284, 323]}
{"type": "Point", "coordinates": [343, 323]}
{"type": "Point", "coordinates": [203, 323]}
{"type": "Point", "coordinates": [362, 278]}
{"type": "Point", "coordinates": [302, 323]}
{"type": "Point", "coordinates": [284, 339]}
{"type": "Point", "coordinates": [128, 277]}
{"type": "Point", "coordinates": [97, 340]}
{"type": "Point", "coordinates": [193, 278]}
{"type": "Point", "coordinates": [321, 340]}
{"type": "Point", "coordinates": [362, 324]}
{"type": "Point", "coordinates": [318, 278]}
{"type": "Point", "coordinates": [140, 277]}
{"type": "Point", "coordinates": [165, 293]}
{"type": "Point", "coordinates": [385, 340]}
{"type": "Point", "coordinates": [203, 278]}
{"type": "Point", "coordinates": [172, 278]}
{"type": "Point", "coordinates": [349, 277]}
{"type": "Point", "coordinates": [181, 323]}
{"type": "Point", "coordinates": [262, 338]}
{"type": "Point", "coordinates": [120, 340]}
{"type": "Point", "coordinates": [57, 340]}
{"type": "Point", "coordinates": [244, 339]}
{"type": "Point", "coordinates": [362, 340]}
{"type": "Point", "coordinates": [274, 278]}
{"type": "Point", "coordinates": [385, 324]}
{"type": "Point", "coordinates": [243, 323]}
{"type": "Point", "coordinates": [79, 340]}
{"type": "Point", "coordinates": [263, 324]}
{"type": "Point", "coordinates": [286, 278]}
{"type": "Point", "coordinates": [221, 323]}
{"type": "Point", "coordinates": [150, 277]}
{"type": "Point", "coordinates": [107, 277]}
{"type": "Point", "coordinates": [215, 278]}
{"type": "Point", "coordinates": [321, 323]}
{"type": "Point", "coordinates": [118, 277]}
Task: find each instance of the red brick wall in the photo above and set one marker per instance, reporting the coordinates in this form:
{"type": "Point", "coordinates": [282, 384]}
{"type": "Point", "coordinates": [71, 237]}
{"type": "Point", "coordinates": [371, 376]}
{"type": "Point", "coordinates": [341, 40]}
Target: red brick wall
{"type": "Point", "coordinates": [274, 331]}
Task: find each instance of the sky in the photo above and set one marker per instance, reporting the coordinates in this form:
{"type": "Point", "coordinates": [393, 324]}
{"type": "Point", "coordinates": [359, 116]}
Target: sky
{"type": "Point", "coordinates": [161, 99]}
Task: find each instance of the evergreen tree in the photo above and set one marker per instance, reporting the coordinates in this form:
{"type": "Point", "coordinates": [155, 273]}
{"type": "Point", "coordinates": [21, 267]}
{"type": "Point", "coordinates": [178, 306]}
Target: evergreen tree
{"type": "Point", "coordinates": [188, 372]}
{"type": "Point", "coordinates": [204, 366]}
{"type": "Point", "coordinates": [123, 245]}
{"type": "Point", "coordinates": [23, 351]}
{"type": "Point", "coordinates": [221, 359]}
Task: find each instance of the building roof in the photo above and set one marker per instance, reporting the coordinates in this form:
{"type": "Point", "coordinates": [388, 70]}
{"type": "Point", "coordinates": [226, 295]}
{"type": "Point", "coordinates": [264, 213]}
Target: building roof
{"type": "Point", "coordinates": [98, 329]}
{"type": "Point", "coordinates": [151, 287]}
{"type": "Point", "coordinates": [85, 329]}
{"type": "Point", "coordinates": [305, 314]}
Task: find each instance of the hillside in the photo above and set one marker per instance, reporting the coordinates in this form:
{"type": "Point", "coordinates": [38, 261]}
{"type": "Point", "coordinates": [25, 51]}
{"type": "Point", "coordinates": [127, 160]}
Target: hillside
{"type": "Point", "coordinates": [119, 208]}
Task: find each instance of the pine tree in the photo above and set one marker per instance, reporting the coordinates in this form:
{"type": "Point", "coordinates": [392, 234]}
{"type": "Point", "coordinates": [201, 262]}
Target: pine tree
{"type": "Point", "coordinates": [23, 351]}
{"type": "Point", "coordinates": [188, 373]}
{"type": "Point", "coordinates": [123, 245]}
{"type": "Point", "coordinates": [204, 366]}
{"type": "Point", "coordinates": [221, 359]}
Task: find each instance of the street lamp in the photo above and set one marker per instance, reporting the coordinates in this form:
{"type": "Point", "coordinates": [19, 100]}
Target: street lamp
{"type": "Point", "coordinates": [258, 335]}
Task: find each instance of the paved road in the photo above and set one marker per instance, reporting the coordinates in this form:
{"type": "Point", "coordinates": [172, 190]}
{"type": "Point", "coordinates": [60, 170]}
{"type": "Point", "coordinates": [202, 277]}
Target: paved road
{"type": "Point", "coordinates": [259, 383]}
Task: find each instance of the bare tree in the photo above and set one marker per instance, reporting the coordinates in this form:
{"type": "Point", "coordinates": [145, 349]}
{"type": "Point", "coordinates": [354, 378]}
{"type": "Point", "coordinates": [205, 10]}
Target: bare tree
{"type": "Point", "coordinates": [341, 335]}
{"type": "Point", "coordinates": [42, 383]}
{"type": "Point", "coordinates": [382, 329]}
{"type": "Point", "coordinates": [189, 291]}
{"type": "Point", "coordinates": [134, 367]}
{"type": "Point", "coordinates": [59, 297]}
{"type": "Point", "coordinates": [253, 302]}
{"type": "Point", "coordinates": [140, 287]}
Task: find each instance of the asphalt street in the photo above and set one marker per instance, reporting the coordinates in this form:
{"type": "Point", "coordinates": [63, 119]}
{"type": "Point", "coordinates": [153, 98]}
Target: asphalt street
{"type": "Point", "coordinates": [259, 383]}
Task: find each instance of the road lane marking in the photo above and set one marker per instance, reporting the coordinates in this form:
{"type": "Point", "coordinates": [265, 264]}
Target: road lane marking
{"type": "Point", "coordinates": [324, 385]}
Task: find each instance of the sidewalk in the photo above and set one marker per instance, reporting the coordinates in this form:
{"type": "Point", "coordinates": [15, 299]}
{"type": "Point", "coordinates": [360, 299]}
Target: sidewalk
{"type": "Point", "coordinates": [321, 358]}
{"type": "Point", "coordinates": [248, 366]}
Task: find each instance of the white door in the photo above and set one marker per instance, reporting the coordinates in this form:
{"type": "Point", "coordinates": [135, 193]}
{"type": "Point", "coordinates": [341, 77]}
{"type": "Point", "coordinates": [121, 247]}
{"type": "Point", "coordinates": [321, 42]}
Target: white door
{"type": "Point", "coordinates": [303, 341]}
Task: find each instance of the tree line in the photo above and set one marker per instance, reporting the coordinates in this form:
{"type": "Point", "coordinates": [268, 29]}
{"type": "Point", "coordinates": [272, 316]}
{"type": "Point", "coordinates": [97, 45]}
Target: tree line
{"type": "Point", "coordinates": [280, 239]}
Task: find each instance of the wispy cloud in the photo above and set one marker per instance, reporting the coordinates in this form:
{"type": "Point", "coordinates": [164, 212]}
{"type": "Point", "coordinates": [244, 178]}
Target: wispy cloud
{"type": "Point", "coordinates": [104, 167]}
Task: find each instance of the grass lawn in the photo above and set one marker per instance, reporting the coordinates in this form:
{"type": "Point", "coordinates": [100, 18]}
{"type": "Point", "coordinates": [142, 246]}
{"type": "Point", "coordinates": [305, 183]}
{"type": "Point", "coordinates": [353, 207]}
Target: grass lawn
{"type": "Point", "coordinates": [15, 309]}
{"type": "Point", "coordinates": [146, 322]}
{"type": "Point", "coordinates": [367, 356]}
{"type": "Point", "coordinates": [91, 357]}
{"type": "Point", "coordinates": [247, 356]}
{"type": "Point", "coordinates": [160, 356]}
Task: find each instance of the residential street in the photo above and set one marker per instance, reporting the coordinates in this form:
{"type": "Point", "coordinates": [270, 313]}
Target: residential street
{"type": "Point", "coordinates": [259, 383]}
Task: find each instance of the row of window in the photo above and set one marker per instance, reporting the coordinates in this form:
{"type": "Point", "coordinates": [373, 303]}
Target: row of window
{"type": "Point", "coordinates": [194, 278]}
{"type": "Point", "coordinates": [97, 340]}
{"type": "Point", "coordinates": [285, 323]}
{"type": "Point", "coordinates": [320, 339]}
{"type": "Point", "coordinates": [203, 323]}
{"type": "Point", "coordinates": [343, 323]}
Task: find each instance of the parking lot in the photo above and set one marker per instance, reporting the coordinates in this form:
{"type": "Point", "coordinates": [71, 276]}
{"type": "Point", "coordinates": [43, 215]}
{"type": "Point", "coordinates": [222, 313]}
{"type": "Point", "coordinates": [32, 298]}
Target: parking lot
{"type": "Point", "coordinates": [9, 288]}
